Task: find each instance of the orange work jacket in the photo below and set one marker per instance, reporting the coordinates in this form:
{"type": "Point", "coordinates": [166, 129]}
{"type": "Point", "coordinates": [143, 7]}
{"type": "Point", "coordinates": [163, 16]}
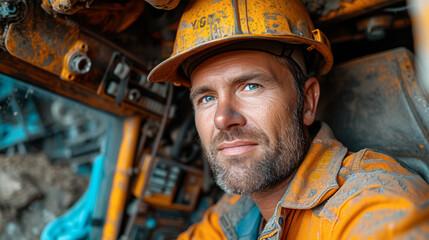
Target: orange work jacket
{"type": "Point", "coordinates": [335, 194]}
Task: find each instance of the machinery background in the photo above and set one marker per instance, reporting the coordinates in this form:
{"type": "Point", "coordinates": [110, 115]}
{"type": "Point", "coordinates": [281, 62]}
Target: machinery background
{"type": "Point", "coordinates": [73, 86]}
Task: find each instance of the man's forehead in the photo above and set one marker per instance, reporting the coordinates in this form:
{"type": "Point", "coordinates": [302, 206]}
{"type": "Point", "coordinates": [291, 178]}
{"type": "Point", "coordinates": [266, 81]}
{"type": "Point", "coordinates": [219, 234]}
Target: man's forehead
{"type": "Point", "coordinates": [233, 64]}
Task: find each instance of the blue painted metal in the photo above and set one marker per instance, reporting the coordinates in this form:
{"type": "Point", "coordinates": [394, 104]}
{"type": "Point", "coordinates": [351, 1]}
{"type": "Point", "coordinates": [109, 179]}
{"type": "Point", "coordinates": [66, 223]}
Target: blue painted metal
{"type": "Point", "coordinates": [7, 10]}
{"type": "Point", "coordinates": [11, 134]}
{"type": "Point", "coordinates": [76, 223]}
{"type": "Point", "coordinates": [24, 121]}
{"type": "Point", "coordinates": [6, 86]}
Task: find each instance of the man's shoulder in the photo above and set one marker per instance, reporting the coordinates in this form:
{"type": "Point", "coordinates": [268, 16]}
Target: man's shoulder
{"type": "Point", "coordinates": [371, 169]}
{"type": "Point", "coordinates": [376, 191]}
{"type": "Point", "coordinates": [367, 177]}
{"type": "Point", "coordinates": [368, 162]}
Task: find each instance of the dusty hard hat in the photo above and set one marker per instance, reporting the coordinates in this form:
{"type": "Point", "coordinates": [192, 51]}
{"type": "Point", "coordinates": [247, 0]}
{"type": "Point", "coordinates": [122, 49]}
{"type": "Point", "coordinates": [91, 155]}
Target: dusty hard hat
{"type": "Point", "coordinates": [208, 26]}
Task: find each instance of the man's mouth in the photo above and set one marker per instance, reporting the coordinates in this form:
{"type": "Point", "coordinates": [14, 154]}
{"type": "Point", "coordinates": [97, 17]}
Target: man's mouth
{"type": "Point", "coordinates": [236, 148]}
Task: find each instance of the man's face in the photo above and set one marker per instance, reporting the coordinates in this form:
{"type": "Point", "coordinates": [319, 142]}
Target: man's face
{"type": "Point", "coordinates": [248, 116]}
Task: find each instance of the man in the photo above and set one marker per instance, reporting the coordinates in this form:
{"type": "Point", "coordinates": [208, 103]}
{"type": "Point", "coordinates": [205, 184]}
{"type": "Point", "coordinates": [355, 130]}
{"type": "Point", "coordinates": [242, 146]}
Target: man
{"type": "Point", "coordinates": [250, 66]}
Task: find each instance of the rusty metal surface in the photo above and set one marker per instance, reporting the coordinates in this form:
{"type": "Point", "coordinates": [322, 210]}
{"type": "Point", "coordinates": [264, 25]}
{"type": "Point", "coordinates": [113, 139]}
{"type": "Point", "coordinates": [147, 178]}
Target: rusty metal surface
{"type": "Point", "coordinates": [80, 58]}
{"type": "Point", "coordinates": [350, 9]}
{"type": "Point", "coordinates": [377, 102]}
{"type": "Point", "coordinates": [23, 71]}
{"type": "Point", "coordinates": [32, 40]}
{"type": "Point", "coordinates": [83, 90]}
{"type": "Point", "coordinates": [18, 69]}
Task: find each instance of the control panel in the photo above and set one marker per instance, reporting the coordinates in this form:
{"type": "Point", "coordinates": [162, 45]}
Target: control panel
{"type": "Point", "coordinates": [171, 185]}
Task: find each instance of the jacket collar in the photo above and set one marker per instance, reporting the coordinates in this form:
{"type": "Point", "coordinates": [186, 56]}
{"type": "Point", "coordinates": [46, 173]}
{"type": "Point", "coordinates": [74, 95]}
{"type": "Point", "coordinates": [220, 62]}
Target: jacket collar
{"type": "Point", "coordinates": [316, 178]}
{"type": "Point", "coordinates": [314, 182]}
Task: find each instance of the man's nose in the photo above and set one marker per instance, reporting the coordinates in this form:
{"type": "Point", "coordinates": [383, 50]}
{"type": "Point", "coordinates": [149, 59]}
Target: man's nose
{"type": "Point", "coordinates": [227, 117]}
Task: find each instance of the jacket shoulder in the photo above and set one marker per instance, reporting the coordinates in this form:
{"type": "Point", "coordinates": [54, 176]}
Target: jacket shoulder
{"type": "Point", "coordinates": [367, 162]}
{"type": "Point", "coordinates": [377, 197]}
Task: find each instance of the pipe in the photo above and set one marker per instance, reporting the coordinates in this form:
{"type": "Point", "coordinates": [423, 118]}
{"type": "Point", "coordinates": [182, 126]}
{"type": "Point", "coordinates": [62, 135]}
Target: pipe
{"type": "Point", "coordinates": [121, 179]}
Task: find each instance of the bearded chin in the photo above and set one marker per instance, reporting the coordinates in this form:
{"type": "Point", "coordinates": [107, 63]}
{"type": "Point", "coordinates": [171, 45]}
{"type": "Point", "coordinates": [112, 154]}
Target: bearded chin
{"type": "Point", "coordinates": [240, 175]}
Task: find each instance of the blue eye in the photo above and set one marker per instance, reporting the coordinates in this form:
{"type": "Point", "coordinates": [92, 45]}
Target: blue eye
{"type": "Point", "coordinates": [207, 99]}
{"type": "Point", "coordinates": [251, 87]}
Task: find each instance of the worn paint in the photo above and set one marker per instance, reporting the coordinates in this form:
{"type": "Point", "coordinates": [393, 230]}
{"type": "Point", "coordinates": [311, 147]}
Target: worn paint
{"type": "Point", "coordinates": [84, 87]}
{"type": "Point", "coordinates": [32, 40]}
{"type": "Point", "coordinates": [236, 14]}
{"type": "Point", "coordinates": [13, 67]}
{"type": "Point", "coordinates": [272, 19]}
{"type": "Point", "coordinates": [80, 47]}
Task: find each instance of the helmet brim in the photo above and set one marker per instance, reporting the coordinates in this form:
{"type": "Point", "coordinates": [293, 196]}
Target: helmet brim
{"type": "Point", "coordinates": [170, 70]}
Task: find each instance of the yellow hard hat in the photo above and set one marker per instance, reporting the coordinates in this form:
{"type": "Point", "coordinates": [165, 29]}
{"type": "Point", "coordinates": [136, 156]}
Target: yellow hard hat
{"type": "Point", "coordinates": [208, 26]}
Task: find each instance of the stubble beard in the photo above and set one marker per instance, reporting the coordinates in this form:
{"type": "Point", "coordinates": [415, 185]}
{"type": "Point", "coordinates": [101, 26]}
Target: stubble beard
{"type": "Point", "coordinates": [242, 175]}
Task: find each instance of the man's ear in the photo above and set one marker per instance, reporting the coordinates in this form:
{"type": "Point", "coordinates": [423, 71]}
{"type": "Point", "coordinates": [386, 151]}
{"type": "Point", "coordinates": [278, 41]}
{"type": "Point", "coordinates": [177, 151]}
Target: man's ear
{"type": "Point", "coordinates": [311, 99]}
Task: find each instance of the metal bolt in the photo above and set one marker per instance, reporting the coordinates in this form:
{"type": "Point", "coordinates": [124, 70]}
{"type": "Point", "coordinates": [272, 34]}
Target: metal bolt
{"type": "Point", "coordinates": [134, 95]}
{"type": "Point", "coordinates": [80, 64]}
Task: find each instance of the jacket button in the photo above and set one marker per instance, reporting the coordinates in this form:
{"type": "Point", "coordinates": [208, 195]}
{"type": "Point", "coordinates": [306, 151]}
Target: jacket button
{"type": "Point", "coordinates": [281, 221]}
